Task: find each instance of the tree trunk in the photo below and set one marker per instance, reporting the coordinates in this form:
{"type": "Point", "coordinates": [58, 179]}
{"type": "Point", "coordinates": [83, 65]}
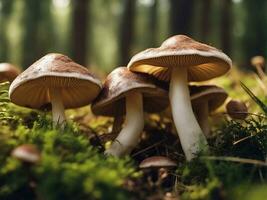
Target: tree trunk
{"type": "Point", "coordinates": [254, 40]}
{"type": "Point", "coordinates": [226, 26]}
{"type": "Point", "coordinates": [205, 20]}
{"type": "Point", "coordinates": [126, 31]}
{"type": "Point", "coordinates": [79, 31]}
{"type": "Point", "coordinates": [38, 36]}
{"type": "Point", "coordinates": [153, 22]}
{"type": "Point", "coordinates": [181, 13]}
{"type": "Point", "coordinates": [4, 17]}
{"type": "Point", "coordinates": [31, 19]}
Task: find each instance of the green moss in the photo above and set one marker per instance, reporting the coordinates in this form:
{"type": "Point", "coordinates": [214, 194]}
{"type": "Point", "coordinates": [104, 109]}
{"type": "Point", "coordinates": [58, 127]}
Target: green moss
{"type": "Point", "coordinates": [73, 168]}
{"type": "Point", "coordinates": [70, 167]}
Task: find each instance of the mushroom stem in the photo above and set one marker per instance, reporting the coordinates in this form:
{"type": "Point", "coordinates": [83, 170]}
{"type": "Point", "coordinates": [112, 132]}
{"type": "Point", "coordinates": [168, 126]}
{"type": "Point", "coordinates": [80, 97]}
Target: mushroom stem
{"type": "Point", "coordinates": [57, 106]}
{"type": "Point", "coordinates": [202, 115]}
{"type": "Point", "coordinates": [189, 131]}
{"type": "Point", "coordinates": [133, 126]}
{"type": "Point", "coordinates": [260, 72]}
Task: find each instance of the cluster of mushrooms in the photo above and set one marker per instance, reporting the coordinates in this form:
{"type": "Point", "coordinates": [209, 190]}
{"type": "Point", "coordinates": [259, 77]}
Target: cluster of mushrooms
{"type": "Point", "coordinates": [153, 80]}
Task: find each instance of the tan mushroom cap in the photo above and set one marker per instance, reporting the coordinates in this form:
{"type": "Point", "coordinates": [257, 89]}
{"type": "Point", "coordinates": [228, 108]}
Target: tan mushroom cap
{"type": "Point", "coordinates": [8, 72]}
{"type": "Point", "coordinates": [237, 109]}
{"type": "Point", "coordinates": [214, 95]}
{"type": "Point", "coordinates": [157, 162]}
{"type": "Point", "coordinates": [204, 62]}
{"type": "Point", "coordinates": [27, 153]}
{"type": "Point", "coordinates": [111, 101]}
{"type": "Point", "coordinates": [258, 60]}
{"type": "Point", "coordinates": [77, 85]}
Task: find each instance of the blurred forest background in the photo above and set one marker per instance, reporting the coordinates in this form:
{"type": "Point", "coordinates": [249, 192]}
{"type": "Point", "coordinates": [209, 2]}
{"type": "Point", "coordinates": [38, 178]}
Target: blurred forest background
{"type": "Point", "coordinates": [104, 34]}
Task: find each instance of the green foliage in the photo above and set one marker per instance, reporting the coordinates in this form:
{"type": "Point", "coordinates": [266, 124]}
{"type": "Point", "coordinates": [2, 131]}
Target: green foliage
{"type": "Point", "coordinates": [70, 168]}
{"type": "Point", "coordinates": [236, 167]}
{"type": "Point", "coordinates": [236, 160]}
{"type": "Point", "coordinates": [255, 98]}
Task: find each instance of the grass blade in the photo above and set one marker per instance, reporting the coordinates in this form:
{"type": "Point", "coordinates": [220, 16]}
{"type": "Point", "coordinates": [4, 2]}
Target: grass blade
{"type": "Point", "coordinates": [255, 98]}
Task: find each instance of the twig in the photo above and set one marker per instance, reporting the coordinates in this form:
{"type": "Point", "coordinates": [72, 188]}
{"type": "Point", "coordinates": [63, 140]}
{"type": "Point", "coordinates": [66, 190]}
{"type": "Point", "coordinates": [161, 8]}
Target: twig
{"type": "Point", "coordinates": [257, 115]}
{"type": "Point", "coordinates": [241, 140]}
{"type": "Point", "coordinates": [236, 159]}
{"type": "Point", "coordinates": [149, 147]}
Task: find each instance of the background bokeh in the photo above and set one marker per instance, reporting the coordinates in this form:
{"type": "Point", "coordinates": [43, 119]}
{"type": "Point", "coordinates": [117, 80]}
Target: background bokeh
{"type": "Point", "coordinates": [103, 34]}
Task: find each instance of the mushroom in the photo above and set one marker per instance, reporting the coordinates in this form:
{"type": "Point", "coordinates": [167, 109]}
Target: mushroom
{"type": "Point", "coordinates": [259, 63]}
{"type": "Point", "coordinates": [237, 109]}
{"type": "Point", "coordinates": [156, 169]}
{"type": "Point", "coordinates": [157, 162]}
{"type": "Point", "coordinates": [8, 72]}
{"type": "Point", "coordinates": [27, 153]}
{"type": "Point", "coordinates": [129, 93]}
{"type": "Point", "coordinates": [205, 99]}
{"type": "Point", "coordinates": [55, 79]}
{"type": "Point", "coordinates": [181, 59]}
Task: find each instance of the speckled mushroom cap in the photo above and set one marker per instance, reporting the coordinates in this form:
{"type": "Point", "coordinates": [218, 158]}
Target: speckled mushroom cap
{"type": "Point", "coordinates": [203, 61]}
{"type": "Point", "coordinates": [8, 72]}
{"type": "Point", "coordinates": [214, 95]}
{"type": "Point", "coordinates": [77, 85]}
{"type": "Point", "coordinates": [111, 101]}
{"type": "Point", "coordinates": [157, 162]}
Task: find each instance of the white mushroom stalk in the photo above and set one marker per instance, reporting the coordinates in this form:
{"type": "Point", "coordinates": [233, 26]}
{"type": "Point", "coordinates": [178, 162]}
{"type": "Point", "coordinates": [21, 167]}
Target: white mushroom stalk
{"type": "Point", "coordinates": [191, 136]}
{"type": "Point", "coordinates": [129, 136]}
{"type": "Point", "coordinates": [202, 115]}
{"type": "Point", "coordinates": [260, 72]}
{"type": "Point", "coordinates": [58, 111]}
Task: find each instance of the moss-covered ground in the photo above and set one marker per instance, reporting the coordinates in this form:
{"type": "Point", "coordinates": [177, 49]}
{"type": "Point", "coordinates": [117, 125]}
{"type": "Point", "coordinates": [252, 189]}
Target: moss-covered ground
{"type": "Point", "coordinates": [73, 165]}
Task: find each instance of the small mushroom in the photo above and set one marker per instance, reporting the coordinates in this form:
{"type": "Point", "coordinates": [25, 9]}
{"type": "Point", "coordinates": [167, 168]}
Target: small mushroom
{"type": "Point", "coordinates": [157, 162]}
{"type": "Point", "coordinates": [27, 153]}
{"type": "Point", "coordinates": [237, 109]}
{"type": "Point", "coordinates": [8, 72]}
{"type": "Point", "coordinates": [205, 99]}
{"type": "Point", "coordinates": [130, 94]}
{"type": "Point", "coordinates": [259, 63]}
{"type": "Point", "coordinates": [156, 169]}
{"type": "Point", "coordinates": [55, 79]}
{"type": "Point", "coordinates": [180, 60]}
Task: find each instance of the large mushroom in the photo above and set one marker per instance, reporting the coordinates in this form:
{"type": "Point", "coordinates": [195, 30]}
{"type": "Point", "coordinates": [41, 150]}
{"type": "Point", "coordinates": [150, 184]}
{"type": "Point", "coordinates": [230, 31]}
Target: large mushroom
{"type": "Point", "coordinates": [205, 99]}
{"type": "Point", "coordinates": [130, 94]}
{"type": "Point", "coordinates": [55, 79]}
{"type": "Point", "coordinates": [8, 72]}
{"type": "Point", "coordinates": [180, 60]}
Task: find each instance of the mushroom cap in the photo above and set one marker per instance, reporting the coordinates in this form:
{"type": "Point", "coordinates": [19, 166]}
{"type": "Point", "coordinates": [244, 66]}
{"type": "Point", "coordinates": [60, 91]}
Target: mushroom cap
{"type": "Point", "coordinates": [203, 62]}
{"type": "Point", "coordinates": [111, 101]}
{"type": "Point", "coordinates": [77, 85]}
{"type": "Point", "coordinates": [157, 162]}
{"type": "Point", "coordinates": [8, 72]}
{"type": "Point", "coordinates": [258, 61]}
{"type": "Point", "coordinates": [213, 95]}
{"type": "Point", "coordinates": [237, 109]}
{"type": "Point", "coordinates": [27, 153]}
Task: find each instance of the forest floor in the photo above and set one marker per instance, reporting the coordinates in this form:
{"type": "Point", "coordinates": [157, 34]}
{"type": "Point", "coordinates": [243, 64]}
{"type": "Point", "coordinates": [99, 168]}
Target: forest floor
{"type": "Point", "coordinates": [73, 166]}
